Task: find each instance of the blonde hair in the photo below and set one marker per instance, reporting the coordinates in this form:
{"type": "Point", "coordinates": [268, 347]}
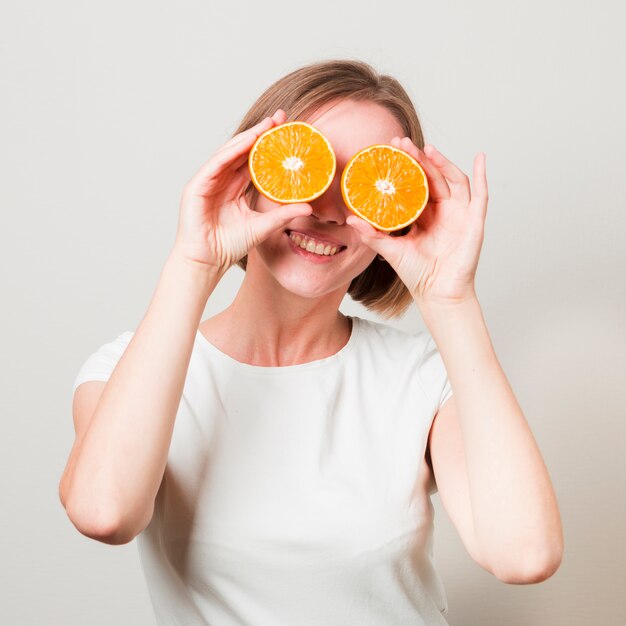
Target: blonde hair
{"type": "Point", "coordinates": [300, 93]}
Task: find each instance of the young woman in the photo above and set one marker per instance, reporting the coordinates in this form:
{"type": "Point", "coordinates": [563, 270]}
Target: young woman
{"type": "Point", "coordinates": [276, 460]}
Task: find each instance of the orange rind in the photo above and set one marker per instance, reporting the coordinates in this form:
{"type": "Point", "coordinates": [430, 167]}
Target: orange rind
{"type": "Point", "coordinates": [292, 162]}
{"type": "Point", "coordinates": [385, 186]}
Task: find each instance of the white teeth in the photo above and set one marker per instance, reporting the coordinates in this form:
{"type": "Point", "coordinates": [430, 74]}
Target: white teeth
{"type": "Point", "coordinates": [310, 245]}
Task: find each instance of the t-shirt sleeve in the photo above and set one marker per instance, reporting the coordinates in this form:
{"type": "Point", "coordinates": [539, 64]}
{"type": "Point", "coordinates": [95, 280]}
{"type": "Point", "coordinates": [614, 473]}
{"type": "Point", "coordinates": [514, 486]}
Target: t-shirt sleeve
{"type": "Point", "coordinates": [433, 373]}
{"type": "Point", "coordinates": [102, 362]}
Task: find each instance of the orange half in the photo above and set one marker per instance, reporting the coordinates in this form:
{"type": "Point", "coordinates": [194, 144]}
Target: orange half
{"type": "Point", "coordinates": [292, 162]}
{"type": "Point", "coordinates": [385, 186]}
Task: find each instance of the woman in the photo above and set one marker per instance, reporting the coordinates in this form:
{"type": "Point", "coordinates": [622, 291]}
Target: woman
{"type": "Point", "coordinates": [276, 460]}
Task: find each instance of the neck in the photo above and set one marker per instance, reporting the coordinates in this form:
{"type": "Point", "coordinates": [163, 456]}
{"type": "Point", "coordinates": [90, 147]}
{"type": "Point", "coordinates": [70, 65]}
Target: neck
{"type": "Point", "coordinates": [270, 326]}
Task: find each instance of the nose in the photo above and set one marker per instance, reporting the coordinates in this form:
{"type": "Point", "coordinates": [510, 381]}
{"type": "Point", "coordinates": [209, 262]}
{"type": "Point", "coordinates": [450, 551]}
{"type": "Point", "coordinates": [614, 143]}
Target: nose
{"type": "Point", "coordinates": [329, 207]}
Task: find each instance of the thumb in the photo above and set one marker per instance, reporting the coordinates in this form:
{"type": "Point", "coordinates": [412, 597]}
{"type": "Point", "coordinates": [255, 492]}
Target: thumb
{"type": "Point", "coordinates": [377, 240]}
{"type": "Point", "coordinates": [278, 218]}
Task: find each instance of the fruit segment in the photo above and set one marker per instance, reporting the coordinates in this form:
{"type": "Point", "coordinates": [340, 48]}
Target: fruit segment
{"type": "Point", "coordinates": [292, 162]}
{"type": "Point", "coordinates": [385, 186]}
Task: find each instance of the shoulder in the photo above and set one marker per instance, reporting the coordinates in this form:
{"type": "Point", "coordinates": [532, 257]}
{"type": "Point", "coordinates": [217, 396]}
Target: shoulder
{"type": "Point", "coordinates": [114, 347]}
{"type": "Point", "coordinates": [101, 362]}
{"type": "Point", "coordinates": [411, 357]}
{"type": "Point", "coordinates": [392, 340]}
{"type": "Point", "coordinates": [120, 341]}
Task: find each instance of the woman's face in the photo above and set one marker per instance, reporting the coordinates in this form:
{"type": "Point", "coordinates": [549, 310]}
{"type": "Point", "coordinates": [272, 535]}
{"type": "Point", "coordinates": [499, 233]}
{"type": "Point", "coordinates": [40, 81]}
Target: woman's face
{"type": "Point", "coordinates": [349, 126]}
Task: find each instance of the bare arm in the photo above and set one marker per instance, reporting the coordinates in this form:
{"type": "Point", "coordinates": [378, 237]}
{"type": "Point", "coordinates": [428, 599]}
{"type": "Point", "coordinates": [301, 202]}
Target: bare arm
{"type": "Point", "coordinates": [491, 476]}
{"type": "Point", "coordinates": [490, 473]}
{"type": "Point", "coordinates": [123, 435]}
{"type": "Point", "coordinates": [116, 466]}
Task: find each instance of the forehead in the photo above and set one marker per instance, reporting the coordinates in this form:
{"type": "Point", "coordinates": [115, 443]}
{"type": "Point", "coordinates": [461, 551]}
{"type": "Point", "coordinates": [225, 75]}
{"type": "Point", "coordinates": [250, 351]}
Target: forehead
{"type": "Point", "coordinates": [352, 125]}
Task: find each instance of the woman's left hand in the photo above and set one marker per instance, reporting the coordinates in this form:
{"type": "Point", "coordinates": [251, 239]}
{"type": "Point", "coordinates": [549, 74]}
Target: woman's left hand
{"type": "Point", "coordinates": [438, 257]}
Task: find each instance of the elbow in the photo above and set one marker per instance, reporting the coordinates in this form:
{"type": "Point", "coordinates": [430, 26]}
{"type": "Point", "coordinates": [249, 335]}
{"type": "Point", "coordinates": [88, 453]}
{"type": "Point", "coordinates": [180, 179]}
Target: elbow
{"type": "Point", "coordinates": [100, 524]}
{"type": "Point", "coordinates": [529, 559]}
{"type": "Point", "coordinates": [63, 491]}
{"type": "Point", "coordinates": [529, 569]}
{"type": "Point", "coordinates": [531, 574]}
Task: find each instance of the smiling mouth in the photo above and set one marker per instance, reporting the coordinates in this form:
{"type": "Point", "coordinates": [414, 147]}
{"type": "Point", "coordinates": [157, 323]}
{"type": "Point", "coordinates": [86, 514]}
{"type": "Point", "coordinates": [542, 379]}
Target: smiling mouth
{"type": "Point", "coordinates": [315, 246]}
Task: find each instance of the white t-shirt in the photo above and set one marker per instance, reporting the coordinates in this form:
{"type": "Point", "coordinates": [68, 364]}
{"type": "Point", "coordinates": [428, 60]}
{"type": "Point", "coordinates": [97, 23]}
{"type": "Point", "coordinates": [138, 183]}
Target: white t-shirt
{"type": "Point", "coordinates": [298, 495]}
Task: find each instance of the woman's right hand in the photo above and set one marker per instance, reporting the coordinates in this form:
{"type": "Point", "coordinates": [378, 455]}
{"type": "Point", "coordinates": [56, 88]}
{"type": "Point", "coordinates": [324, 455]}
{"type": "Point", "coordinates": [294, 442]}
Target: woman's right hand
{"type": "Point", "coordinates": [216, 225]}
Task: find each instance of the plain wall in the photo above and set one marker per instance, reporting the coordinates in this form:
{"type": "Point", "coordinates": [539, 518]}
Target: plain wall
{"type": "Point", "coordinates": [107, 109]}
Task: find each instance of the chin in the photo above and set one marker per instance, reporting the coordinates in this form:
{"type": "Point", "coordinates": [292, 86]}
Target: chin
{"type": "Point", "coordinates": [307, 286]}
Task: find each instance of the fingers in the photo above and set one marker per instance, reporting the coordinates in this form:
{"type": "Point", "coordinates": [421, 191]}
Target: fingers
{"type": "Point", "coordinates": [437, 186]}
{"type": "Point", "coordinates": [378, 241]}
{"type": "Point", "coordinates": [445, 179]}
{"type": "Point", "coordinates": [458, 182]}
{"type": "Point", "coordinates": [278, 218]}
{"type": "Point", "coordinates": [480, 195]}
{"type": "Point", "coordinates": [237, 184]}
{"type": "Point", "coordinates": [278, 118]}
{"type": "Point", "coordinates": [231, 155]}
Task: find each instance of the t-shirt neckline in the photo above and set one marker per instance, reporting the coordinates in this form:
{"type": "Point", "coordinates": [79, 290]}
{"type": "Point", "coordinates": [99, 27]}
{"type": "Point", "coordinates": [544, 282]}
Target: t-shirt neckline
{"type": "Point", "coordinates": [285, 369]}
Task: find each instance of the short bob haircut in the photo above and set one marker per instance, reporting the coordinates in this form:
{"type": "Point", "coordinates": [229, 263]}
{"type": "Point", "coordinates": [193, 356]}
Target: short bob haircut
{"type": "Point", "coordinates": [300, 93]}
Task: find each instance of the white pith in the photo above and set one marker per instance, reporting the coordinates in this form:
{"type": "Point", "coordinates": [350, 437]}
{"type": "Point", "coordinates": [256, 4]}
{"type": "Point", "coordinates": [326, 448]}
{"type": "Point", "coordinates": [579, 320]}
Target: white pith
{"type": "Point", "coordinates": [293, 163]}
{"type": "Point", "coordinates": [313, 245]}
{"type": "Point", "coordinates": [385, 186]}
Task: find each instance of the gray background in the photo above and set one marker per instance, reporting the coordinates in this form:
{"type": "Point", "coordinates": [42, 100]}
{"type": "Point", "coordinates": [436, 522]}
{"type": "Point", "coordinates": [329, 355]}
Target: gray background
{"type": "Point", "coordinates": [107, 109]}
